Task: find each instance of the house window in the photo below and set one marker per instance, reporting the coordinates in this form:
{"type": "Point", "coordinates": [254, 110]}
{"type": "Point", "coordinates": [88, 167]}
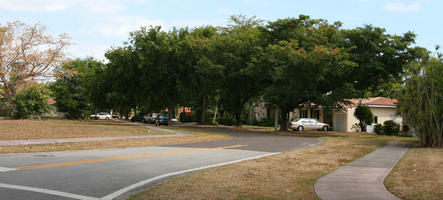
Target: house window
{"type": "Point", "coordinates": [303, 113]}
{"type": "Point", "coordinates": [376, 119]}
{"type": "Point", "coordinates": [315, 114]}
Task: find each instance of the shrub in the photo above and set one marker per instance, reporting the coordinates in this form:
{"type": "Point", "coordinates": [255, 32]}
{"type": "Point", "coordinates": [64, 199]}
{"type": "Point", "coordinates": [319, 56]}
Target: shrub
{"type": "Point", "coordinates": [187, 117]}
{"type": "Point", "coordinates": [405, 128]}
{"type": "Point", "coordinates": [378, 128]}
{"type": "Point", "coordinates": [391, 128]}
{"type": "Point", "coordinates": [264, 122]}
{"type": "Point", "coordinates": [31, 102]}
{"type": "Point", "coordinates": [227, 120]}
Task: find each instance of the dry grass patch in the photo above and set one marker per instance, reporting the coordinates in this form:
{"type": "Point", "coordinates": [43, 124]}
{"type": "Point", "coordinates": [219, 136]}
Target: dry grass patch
{"type": "Point", "coordinates": [419, 175]}
{"type": "Point", "coordinates": [289, 175]}
{"type": "Point", "coordinates": [199, 136]}
{"type": "Point", "coordinates": [54, 129]}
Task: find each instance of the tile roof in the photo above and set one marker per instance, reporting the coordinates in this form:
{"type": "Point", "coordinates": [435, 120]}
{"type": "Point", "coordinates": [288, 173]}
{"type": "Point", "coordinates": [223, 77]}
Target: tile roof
{"type": "Point", "coordinates": [383, 101]}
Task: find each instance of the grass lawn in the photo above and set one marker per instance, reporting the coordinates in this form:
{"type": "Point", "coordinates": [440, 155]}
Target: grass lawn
{"type": "Point", "coordinates": [49, 129]}
{"type": "Point", "coordinates": [419, 175]}
{"type": "Point", "coordinates": [289, 175]}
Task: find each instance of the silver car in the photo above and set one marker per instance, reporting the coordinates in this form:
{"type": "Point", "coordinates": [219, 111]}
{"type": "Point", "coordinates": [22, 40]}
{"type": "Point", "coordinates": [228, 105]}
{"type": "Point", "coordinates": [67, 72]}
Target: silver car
{"type": "Point", "coordinates": [150, 118]}
{"type": "Point", "coordinates": [308, 124]}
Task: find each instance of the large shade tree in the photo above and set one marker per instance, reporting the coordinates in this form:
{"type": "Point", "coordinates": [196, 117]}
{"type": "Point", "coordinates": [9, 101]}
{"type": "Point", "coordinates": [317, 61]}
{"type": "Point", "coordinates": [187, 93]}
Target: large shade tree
{"type": "Point", "coordinates": [27, 53]}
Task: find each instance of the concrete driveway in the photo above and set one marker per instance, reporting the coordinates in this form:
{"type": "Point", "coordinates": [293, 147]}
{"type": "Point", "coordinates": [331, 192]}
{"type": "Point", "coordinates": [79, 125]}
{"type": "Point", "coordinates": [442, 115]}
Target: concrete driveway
{"type": "Point", "coordinates": [114, 173]}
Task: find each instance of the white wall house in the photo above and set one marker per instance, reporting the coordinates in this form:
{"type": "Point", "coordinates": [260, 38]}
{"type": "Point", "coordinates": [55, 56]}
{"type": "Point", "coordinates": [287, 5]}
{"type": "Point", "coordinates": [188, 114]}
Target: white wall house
{"type": "Point", "coordinates": [382, 108]}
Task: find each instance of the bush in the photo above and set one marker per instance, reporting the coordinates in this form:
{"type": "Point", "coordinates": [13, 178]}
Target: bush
{"type": "Point", "coordinates": [378, 128]}
{"type": "Point", "coordinates": [31, 103]}
{"type": "Point", "coordinates": [405, 128]}
{"type": "Point", "coordinates": [227, 120]}
{"type": "Point", "coordinates": [390, 128]}
{"type": "Point", "coordinates": [264, 122]}
{"type": "Point", "coordinates": [187, 117]}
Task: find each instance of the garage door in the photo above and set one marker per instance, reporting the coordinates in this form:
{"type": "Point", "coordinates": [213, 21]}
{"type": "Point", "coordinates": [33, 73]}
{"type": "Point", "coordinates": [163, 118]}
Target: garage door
{"type": "Point", "coordinates": [340, 121]}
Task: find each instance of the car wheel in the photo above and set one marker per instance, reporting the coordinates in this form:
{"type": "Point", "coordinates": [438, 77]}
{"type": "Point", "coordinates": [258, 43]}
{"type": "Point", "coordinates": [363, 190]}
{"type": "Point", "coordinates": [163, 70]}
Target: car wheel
{"type": "Point", "coordinates": [325, 128]}
{"type": "Point", "coordinates": [300, 128]}
{"type": "Point", "coordinates": [107, 118]}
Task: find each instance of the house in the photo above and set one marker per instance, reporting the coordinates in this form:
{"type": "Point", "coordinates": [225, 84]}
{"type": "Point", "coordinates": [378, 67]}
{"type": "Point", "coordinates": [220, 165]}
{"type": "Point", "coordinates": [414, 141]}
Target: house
{"type": "Point", "coordinates": [382, 108]}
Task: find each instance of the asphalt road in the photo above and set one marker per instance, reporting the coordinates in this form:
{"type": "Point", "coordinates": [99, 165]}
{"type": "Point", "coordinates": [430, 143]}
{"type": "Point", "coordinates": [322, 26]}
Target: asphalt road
{"type": "Point", "coordinates": [114, 173]}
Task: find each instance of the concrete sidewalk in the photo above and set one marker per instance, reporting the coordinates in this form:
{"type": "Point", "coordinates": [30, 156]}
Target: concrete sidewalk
{"type": "Point", "coordinates": [363, 178]}
{"type": "Point", "coordinates": [64, 140]}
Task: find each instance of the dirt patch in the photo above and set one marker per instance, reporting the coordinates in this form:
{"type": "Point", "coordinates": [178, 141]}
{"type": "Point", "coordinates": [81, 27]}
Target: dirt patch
{"type": "Point", "coordinates": [40, 129]}
{"type": "Point", "coordinates": [55, 129]}
{"type": "Point", "coordinates": [419, 175]}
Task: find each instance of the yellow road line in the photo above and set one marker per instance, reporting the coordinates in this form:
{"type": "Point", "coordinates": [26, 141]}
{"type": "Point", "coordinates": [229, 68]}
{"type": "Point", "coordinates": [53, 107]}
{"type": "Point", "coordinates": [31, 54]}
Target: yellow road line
{"type": "Point", "coordinates": [50, 165]}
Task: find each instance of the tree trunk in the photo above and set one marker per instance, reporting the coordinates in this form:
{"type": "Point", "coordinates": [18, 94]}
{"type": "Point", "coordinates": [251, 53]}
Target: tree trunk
{"type": "Point", "coordinates": [275, 118]}
{"type": "Point", "coordinates": [203, 107]}
{"type": "Point", "coordinates": [284, 119]}
{"type": "Point", "coordinates": [268, 111]}
{"type": "Point", "coordinates": [238, 117]}
{"type": "Point", "coordinates": [216, 109]}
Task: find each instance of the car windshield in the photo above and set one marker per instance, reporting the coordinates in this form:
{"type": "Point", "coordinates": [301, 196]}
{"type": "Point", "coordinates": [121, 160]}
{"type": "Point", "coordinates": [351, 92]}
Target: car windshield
{"type": "Point", "coordinates": [296, 120]}
{"type": "Point", "coordinates": [163, 117]}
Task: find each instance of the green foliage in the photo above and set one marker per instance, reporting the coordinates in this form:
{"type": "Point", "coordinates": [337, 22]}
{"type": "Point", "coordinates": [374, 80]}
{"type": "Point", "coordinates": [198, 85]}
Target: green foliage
{"type": "Point", "coordinates": [287, 62]}
{"type": "Point", "coordinates": [421, 100]}
{"type": "Point", "coordinates": [31, 102]}
{"type": "Point", "coordinates": [390, 128]}
{"type": "Point", "coordinates": [78, 87]}
{"type": "Point", "coordinates": [187, 117]}
{"type": "Point", "coordinates": [378, 128]}
{"type": "Point", "coordinates": [264, 122]}
{"type": "Point", "coordinates": [405, 128]}
{"type": "Point", "coordinates": [364, 114]}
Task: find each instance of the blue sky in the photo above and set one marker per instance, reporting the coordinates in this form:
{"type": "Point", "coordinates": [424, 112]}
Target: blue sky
{"type": "Point", "coordinates": [97, 25]}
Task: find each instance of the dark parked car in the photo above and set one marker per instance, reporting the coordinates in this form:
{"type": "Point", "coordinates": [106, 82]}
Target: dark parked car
{"type": "Point", "coordinates": [161, 120]}
{"type": "Point", "coordinates": [137, 118]}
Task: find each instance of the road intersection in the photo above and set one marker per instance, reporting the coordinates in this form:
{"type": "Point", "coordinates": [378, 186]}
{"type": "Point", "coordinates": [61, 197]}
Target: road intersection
{"type": "Point", "coordinates": [115, 173]}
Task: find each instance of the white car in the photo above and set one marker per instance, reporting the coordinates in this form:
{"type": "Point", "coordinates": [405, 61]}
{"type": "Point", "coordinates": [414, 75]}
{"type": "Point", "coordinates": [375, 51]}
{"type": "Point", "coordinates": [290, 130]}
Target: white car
{"type": "Point", "coordinates": [308, 124]}
{"type": "Point", "coordinates": [102, 115]}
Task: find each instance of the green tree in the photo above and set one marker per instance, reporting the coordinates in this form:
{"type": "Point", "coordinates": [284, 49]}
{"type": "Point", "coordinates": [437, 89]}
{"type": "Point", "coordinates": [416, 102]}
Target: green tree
{"type": "Point", "coordinates": [31, 102]}
{"type": "Point", "coordinates": [242, 46]}
{"type": "Point", "coordinates": [421, 100]}
{"type": "Point", "coordinates": [206, 75]}
{"type": "Point", "coordinates": [77, 89]}
{"type": "Point", "coordinates": [306, 62]}
{"type": "Point", "coordinates": [364, 114]}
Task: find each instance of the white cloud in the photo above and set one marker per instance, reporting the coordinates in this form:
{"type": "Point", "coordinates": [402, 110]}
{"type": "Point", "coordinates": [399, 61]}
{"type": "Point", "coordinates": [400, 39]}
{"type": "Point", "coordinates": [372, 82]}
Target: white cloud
{"type": "Point", "coordinates": [120, 26]}
{"type": "Point", "coordinates": [400, 7]}
{"type": "Point", "coordinates": [93, 6]}
{"type": "Point", "coordinates": [224, 11]}
{"type": "Point", "coordinates": [35, 5]}
{"type": "Point", "coordinates": [103, 6]}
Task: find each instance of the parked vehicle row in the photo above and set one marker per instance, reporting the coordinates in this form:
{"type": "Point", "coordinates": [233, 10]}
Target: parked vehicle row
{"type": "Point", "coordinates": [151, 118]}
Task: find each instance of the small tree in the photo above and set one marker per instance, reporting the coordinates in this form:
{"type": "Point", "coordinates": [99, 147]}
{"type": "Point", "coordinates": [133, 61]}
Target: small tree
{"type": "Point", "coordinates": [31, 102]}
{"type": "Point", "coordinates": [364, 115]}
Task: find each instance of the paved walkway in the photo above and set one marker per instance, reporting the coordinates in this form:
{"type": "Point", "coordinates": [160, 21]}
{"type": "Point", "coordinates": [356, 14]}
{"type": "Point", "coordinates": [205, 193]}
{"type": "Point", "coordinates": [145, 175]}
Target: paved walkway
{"type": "Point", "coordinates": [52, 141]}
{"type": "Point", "coordinates": [363, 178]}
